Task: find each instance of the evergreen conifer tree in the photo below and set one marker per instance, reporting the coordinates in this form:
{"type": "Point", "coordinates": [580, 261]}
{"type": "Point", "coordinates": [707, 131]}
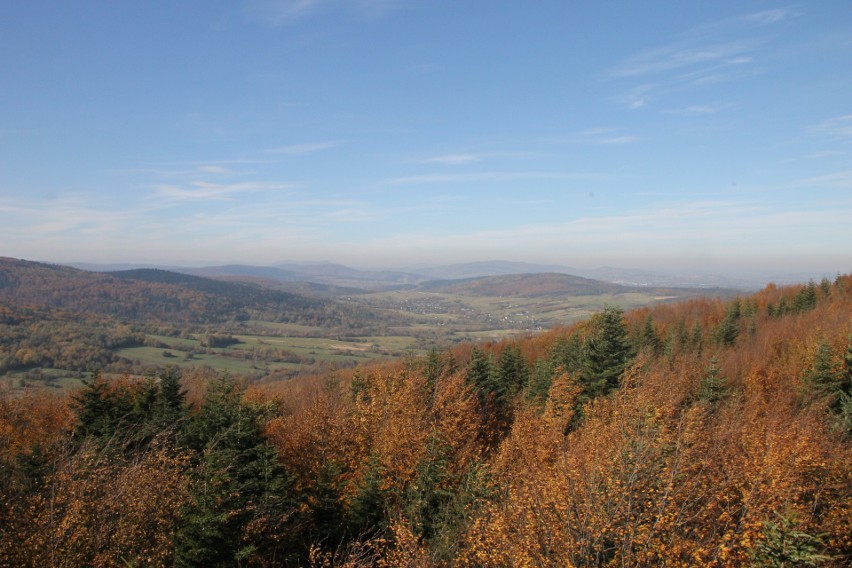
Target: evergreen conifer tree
{"type": "Point", "coordinates": [729, 329]}
{"type": "Point", "coordinates": [540, 381]}
{"type": "Point", "coordinates": [649, 339]}
{"type": "Point", "coordinates": [805, 300]}
{"type": "Point", "coordinates": [825, 376]}
{"type": "Point", "coordinates": [607, 352]}
{"type": "Point", "coordinates": [238, 486]}
{"type": "Point", "coordinates": [103, 412]}
{"type": "Point", "coordinates": [512, 372]}
{"type": "Point", "coordinates": [366, 511]}
{"type": "Point", "coordinates": [712, 388]}
{"type": "Point", "coordinates": [568, 354]}
{"type": "Point", "coordinates": [433, 366]}
{"type": "Point", "coordinates": [480, 372]}
{"type": "Point", "coordinates": [170, 408]}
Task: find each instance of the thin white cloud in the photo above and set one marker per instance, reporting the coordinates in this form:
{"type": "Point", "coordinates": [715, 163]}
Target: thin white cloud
{"type": "Point", "coordinates": [824, 154]}
{"type": "Point", "coordinates": [596, 136]}
{"type": "Point", "coordinates": [276, 13]}
{"type": "Point", "coordinates": [618, 140]}
{"type": "Point", "coordinates": [696, 110]}
{"type": "Point", "coordinates": [675, 57]}
{"type": "Point", "coordinates": [769, 16]}
{"type": "Point", "coordinates": [372, 9]}
{"type": "Point", "coordinates": [637, 97]}
{"type": "Point", "coordinates": [303, 149]}
{"type": "Point", "coordinates": [351, 216]}
{"type": "Point", "coordinates": [730, 230]}
{"type": "Point", "coordinates": [464, 158]}
{"type": "Point", "coordinates": [704, 55]}
{"type": "Point", "coordinates": [200, 163]}
{"type": "Point", "coordinates": [59, 216]}
{"type": "Point", "coordinates": [455, 159]}
{"type": "Point", "coordinates": [836, 180]}
{"type": "Point", "coordinates": [214, 169]}
{"type": "Point", "coordinates": [474, 177]}
{"type": "Point", "coordinates": [711, 74]}
{"type": "Point", "coordinates": [727, 229]}
{"type": "Point", "coordinates": [187, 171]}
{"type": "Point", "coordinates": [837, 127]}
{"type": "Point", "coordinates": [206, 190]}
{"type": "Point", "coordinates": [65, 227]}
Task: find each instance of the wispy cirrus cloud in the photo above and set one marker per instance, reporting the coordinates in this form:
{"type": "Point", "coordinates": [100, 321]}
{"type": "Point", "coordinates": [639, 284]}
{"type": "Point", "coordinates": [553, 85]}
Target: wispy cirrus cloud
{"type": "Point", "coordinates": [679, 57]}
{"type": "Point", "coordinates": [836, 180]}
{"type": "Point", "coordinates": [707, 54]}
{"type": "Point", "coordinates": [460, 159]}
{"type": "Point", "coordinates": [46, 228]}
{"type": "Point", "coordinates": [696, 110]}
{"type": "Point", "coordinates": [216, 170]}
{"type": "Point", "coordinates": [351, 215]}
{"type": "Point", "coordinates": [493, 176]}
{"type": "Point", "coordinates": [596, 136]}
{"type": "Point", "coordinates": [692, 231]}
{"type": "Point", "coordinates": [625, 139]}
{"type": "Point", "coordinates": [455, 159]}
{"type": "Point", "coordinates": [770, 16]}
{"type": "Point", "coordinates": [59, 216]}
{"type": "Point", "coordinates": [371, 9]}
{"type": "Point", "coordinates": [837, 127]}
{"type": "Point", "coordinates": [823, 154]}
{"type": "Point", "coordinates": [207, 190]}
{"type": "Point", "coordinates": [187, 172]}
{"type": "Point", "coordinates": [276, 13]}
{"type": "Point", "coordinates": [303, 149]}
{"type": "Point", "coordinates": [636, 97]}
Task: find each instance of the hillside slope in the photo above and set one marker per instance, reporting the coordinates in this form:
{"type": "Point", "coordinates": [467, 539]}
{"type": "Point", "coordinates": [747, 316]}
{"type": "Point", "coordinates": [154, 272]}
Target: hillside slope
{"type": "Point", "coordinates": [150, 295]}
{"type": "Point", "coordinates": [553, 285]}
{"type": "Point", "coordinates": [697, 433]}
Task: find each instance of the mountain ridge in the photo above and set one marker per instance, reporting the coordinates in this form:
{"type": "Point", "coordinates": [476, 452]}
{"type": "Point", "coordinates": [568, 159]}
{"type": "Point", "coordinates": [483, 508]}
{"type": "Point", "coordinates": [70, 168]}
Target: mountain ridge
{"type": "Point", "coordinates": [148, 294]}
{"type": "Point", "coordinates": [385, 278]}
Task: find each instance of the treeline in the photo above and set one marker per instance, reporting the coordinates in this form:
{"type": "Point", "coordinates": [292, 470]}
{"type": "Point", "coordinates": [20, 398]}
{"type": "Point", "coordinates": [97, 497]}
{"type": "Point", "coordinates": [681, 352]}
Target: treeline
{"type": "Point", "coordinates": [47, 338]}
{"type": "Point", "coordinates": [703, 433]}
{"type": "Point", "coordinates": [154, 296]}
{"type": "Point", "coordinates": [54, 317]}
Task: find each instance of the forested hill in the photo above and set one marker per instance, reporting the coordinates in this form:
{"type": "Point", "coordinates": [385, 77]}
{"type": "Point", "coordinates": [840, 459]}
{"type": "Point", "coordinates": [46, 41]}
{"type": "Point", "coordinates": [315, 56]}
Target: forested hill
{"type": "Point", "coordinates": [552, 284]}
{"type": "Point", "coordinates": [707, 432]}
{"type": "Point", "coordinates": [153, 295]}
{"type": "Point", "coordinates": [244, 292]}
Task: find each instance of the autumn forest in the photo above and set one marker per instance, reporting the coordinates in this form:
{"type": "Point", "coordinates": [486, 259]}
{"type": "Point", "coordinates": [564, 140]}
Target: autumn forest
{"type": "Point", "coordinates": [703, 432]}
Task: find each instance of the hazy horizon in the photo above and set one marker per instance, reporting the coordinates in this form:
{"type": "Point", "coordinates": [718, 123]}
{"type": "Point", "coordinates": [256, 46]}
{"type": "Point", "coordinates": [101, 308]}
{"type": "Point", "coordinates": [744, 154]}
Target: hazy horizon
{"type": "Point", "coordinates": [711, 137]}
{"type": "Point", "coordinates": [721, 276]}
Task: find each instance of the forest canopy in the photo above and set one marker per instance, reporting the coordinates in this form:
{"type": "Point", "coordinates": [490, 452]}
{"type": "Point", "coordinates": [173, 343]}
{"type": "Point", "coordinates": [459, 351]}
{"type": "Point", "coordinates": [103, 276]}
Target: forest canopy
{"type": "Point", "coordinates": [706, 432]}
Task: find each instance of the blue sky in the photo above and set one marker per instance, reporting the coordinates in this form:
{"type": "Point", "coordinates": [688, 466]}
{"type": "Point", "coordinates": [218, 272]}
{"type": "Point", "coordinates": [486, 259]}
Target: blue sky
{"type": "Point", "coordinates": [709, 136]}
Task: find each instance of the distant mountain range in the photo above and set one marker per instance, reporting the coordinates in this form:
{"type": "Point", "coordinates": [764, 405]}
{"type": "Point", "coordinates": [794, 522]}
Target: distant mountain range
{"type": "Point", "coordinates": [553, 285]}
{"type": "Point", "coordinates": [489, 268]}
{"type": "Point", "coordinates": [526, 285]}
{"type": "Point", "coordinates": [326, 278]}
{"type": "Point", "coordinates": [624, 276]}
{"type": "Point", "coordinates": [229, 289]}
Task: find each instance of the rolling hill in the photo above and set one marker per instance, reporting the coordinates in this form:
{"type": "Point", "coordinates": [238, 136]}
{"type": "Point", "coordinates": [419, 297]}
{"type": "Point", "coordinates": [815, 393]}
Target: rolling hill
{"type": "Point", "coordinates": [153, 295]}
{"type": "Point", "coordinates": [553, 285]}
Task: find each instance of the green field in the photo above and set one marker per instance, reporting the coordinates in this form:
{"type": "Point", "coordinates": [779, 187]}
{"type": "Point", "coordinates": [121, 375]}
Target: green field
{"type": "Point", "coordinates": [408, 323]}
{"type": "Point", "coordinates": [52, 378]}
{"type": "Point", "coordinates": [255, 355]}
{"type": "Point", "coordinates": [153, 356]}
{"type": "Point", "coordinates": [435, 320]}
{"type": "Point", "coordinates": [437, 311]}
